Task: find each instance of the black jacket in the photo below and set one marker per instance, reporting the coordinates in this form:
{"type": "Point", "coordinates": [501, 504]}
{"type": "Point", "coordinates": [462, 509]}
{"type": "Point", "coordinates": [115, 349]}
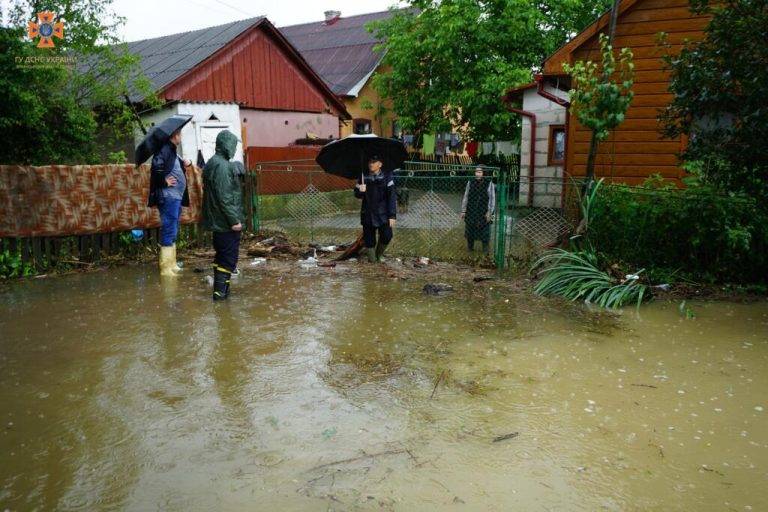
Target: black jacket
{"type": "Point", "coordinates": [379, 200]}
{"type": "Point", "coordinates": [162, 165]}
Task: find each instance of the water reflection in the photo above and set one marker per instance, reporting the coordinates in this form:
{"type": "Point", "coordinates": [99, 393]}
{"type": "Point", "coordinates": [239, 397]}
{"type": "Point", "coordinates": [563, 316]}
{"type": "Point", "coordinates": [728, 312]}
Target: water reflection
{"type": "Point", "coordinates": [309, 391]}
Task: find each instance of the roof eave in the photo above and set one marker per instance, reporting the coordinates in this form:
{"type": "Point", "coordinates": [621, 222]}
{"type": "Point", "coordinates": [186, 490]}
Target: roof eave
{"type": "Point", "coordinates": [355, 90]}
{"type": "Point", "coordinates": [553, 65]}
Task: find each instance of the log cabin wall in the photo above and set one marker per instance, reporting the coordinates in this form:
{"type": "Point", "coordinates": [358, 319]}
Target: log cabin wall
{"type": "Point", "coordinates": [636, 149]}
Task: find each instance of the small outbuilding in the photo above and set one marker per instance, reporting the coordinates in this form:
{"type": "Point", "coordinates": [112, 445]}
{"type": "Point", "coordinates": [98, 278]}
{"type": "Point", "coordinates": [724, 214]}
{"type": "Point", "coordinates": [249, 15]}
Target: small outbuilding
{"type": "Point", "coordinates": [245, 77]}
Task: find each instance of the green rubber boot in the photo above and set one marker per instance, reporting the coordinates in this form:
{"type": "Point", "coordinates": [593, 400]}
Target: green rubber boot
{"type": "Point", "coordinates": [371, 252]}
{"type": "Point", "coordinates": [380, 248]}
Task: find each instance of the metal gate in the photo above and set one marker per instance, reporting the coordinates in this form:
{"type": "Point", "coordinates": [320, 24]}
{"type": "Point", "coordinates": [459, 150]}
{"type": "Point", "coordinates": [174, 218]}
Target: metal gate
{"type": "Point", "coordinates": [311, 206]}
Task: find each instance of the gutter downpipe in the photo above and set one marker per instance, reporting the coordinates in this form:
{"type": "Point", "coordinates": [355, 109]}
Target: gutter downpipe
{"type": "Point", "coordinates": [532, 160]}
{"type": "Point", "coordinates": [566, 104]}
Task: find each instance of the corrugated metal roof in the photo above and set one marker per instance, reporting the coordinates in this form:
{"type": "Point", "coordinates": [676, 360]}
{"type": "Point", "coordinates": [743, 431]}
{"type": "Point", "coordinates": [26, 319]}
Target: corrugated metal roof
{"type": "Point", "coordinates": [164, 59]}
{"type": "Point", "coordinates": [342, 53]}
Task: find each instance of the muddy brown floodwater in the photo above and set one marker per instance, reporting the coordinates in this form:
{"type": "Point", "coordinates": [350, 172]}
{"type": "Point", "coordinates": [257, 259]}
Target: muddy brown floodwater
{"type": "Point", "coordinates": [325, 390]}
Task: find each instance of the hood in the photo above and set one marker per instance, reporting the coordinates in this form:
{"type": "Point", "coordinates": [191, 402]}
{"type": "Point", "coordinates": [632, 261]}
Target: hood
{"type": "Point", "coordinates": [226, 144]}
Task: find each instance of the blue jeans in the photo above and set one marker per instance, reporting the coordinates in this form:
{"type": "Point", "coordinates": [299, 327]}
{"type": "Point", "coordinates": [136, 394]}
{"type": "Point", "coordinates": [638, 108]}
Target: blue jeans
{"type": "Point", "coordinates": [170, 211]}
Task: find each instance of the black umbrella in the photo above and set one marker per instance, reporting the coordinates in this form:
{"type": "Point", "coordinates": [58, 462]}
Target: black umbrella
{"type": "Point", "coordinates": [159, 135]}
{"type": "Point", "coordinates": [347, 157]}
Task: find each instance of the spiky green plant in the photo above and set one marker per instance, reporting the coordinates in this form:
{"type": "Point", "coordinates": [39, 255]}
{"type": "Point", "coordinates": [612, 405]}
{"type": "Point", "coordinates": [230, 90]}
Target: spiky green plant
{"type": "Point", "coordinates": [576, 276]}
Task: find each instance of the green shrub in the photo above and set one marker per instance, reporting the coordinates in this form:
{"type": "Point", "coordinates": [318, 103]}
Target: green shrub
{"type": "Point", "coordinates": [692, 233]}
{"type": "Point", "coordinates": [11, 265]}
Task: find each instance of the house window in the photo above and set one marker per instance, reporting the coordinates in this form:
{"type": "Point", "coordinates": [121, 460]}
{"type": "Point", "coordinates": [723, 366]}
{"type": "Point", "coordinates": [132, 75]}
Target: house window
{"type": "Point", "coordinates": [556, 154]}
{"type": "Point", "coordinates": [397, 130]}
{"type": "Point", "coordinates": [362, 126]}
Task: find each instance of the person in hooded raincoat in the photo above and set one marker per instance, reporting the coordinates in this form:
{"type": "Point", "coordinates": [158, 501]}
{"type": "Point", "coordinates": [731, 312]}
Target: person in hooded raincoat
{"type": "Point", "coordinates": [477, 209]}
{"type": "Point", "coordinates": [378, 211]}
{"type": "Point", "coordinates": [223, 211]}
{"type": "Point", "coordinates": [168, 192]}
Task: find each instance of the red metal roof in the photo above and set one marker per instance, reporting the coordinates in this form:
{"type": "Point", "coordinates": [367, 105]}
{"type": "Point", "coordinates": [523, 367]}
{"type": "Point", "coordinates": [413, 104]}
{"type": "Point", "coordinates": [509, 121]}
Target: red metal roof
{"type": "Point", "coordinates": [248, 62]}
{"type": "Point", "coordinates": [341, 52]}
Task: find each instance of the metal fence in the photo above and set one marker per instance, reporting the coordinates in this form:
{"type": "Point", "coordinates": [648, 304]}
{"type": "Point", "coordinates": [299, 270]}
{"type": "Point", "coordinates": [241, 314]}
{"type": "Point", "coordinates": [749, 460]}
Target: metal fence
{"type": "Point", "coordinates": [440, 214]}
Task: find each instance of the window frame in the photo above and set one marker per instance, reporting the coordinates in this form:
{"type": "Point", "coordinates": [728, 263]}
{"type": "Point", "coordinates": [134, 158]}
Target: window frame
{"type": "Point", "coordinates": [357, 120]}
{"type": "Point", "coordinates": [551, 149]}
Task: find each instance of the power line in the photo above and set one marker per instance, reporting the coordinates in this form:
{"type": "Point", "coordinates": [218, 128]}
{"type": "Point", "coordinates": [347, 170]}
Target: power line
{"type": "Point", "coordinates": [225, 4]}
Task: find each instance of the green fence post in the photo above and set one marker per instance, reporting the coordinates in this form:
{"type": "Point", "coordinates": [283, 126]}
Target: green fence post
{"type": "Point", "coordinates": [255, 221]}
{"type": "Point", "coordinates": [501, 222]}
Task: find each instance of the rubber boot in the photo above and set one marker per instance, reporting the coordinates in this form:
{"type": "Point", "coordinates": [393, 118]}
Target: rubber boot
{"type": "Point", "coordinates": [178, 268]}
{"type": "Point", "coordinates": [371, 252]}
{"type": "Point", "coordinates": [221, 277]}
{"type": "Point", "coordinates": [167, 261]}
{"type": "Point", "coordinates": [380, 248]}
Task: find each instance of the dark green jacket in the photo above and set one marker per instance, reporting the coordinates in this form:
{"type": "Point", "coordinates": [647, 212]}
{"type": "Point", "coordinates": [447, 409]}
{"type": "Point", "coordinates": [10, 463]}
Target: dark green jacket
{"type": "Point", "coordinates": [222, 193]}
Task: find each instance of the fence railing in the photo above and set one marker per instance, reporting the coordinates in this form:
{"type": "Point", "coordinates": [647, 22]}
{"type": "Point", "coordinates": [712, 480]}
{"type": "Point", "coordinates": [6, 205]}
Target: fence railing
{"type": "Point", "coordinates": [441, 214]}
{"type": "Point", "coordinates": [54, 216]}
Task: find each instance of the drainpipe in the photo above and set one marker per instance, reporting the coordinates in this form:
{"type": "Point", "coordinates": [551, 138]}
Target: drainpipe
{"type": "Point", "coordinates": [532, 160]}
{"type": "Point", "coordinates": [566, 104]}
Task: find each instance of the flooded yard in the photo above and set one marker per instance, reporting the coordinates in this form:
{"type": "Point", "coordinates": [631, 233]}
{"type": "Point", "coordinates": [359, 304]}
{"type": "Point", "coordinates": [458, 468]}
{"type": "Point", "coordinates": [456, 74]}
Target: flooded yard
{"type": "Point", "coordinates": [325, 390]}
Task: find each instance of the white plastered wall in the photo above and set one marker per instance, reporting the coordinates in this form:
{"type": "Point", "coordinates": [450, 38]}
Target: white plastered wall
{"type": "Point", "coordinates": [548, 179]}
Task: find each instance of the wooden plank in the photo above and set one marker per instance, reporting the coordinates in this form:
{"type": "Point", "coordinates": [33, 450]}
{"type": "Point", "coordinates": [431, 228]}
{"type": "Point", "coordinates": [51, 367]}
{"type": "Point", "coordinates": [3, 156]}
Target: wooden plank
{"type": "Point", "coordinates": [651, 88]}
{"type": "Point", "coordinates": [634, 147]}
{"type": "Point", "coordinates": [622, 135]}
{"type": "Point", "coordinates": [631, 125]}
{"type": "Point", "coordinates": [643, 112]}
{"type": "Point", "coordinates": [644, 40]}
{"type": "Point", "coordinates": [658, 4]}
{"type": "Point", "coordinates": [651, 100]}
{"type": "Point", "coordinates": [661, 13]}
{"type": "Point", "coordinates": [56, 249]}
{"type": "Point", "coordinates": [47, 250]}
{"type": "Point", "coordinates": [630, 170]}
{"type": "Point", "coordinates": [635, 159]}
{"type": "Point", "coordinates": [37, 253]}
{"type": "Point", "coordinates": [26, 251]}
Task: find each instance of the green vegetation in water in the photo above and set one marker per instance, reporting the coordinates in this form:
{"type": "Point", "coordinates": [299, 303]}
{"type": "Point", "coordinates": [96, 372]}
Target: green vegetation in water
{"type": "Point", "coordinates": [576, 276]}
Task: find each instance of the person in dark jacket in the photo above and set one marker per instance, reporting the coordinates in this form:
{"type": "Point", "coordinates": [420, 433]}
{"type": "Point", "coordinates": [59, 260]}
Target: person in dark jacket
{"type": "Point", "coordinates": [168, 192]}
{"type": "Point", "coordinates": [378, 212]}
{"type": "Point", "coordinates": [477, 209]}
{"type": "Point", "coordinates": [223, 211]}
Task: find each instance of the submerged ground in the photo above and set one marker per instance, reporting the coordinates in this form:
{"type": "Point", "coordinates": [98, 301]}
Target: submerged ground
{"type": "Point", "coordinates": [333, 389]}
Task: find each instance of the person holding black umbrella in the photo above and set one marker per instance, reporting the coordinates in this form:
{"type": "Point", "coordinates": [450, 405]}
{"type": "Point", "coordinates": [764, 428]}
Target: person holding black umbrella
{"type": "Point", "coordinates": [378, 211]}
{"type": "Point", "coordinates": [347, 158]}
{"type": "Point", "coordinates": [168, 192]}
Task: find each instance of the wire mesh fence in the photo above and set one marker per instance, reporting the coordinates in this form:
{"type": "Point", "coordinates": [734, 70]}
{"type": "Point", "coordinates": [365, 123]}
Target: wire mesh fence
{"type": "Point", "coordinates": [444, 211]}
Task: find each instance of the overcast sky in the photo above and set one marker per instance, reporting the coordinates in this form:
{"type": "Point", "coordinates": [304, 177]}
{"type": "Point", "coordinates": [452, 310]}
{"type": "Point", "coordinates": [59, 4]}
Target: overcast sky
{"type": "Point", "coordinates": [153, 18]}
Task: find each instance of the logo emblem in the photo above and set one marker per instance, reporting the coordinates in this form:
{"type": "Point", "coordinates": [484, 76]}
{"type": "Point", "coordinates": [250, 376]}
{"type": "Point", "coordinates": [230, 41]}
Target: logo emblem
{"type": "Point", "coordinates": [46, 29]}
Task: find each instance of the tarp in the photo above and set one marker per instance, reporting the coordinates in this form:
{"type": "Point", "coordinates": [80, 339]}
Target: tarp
{"type": "Point", "coordinates": [61, 200]}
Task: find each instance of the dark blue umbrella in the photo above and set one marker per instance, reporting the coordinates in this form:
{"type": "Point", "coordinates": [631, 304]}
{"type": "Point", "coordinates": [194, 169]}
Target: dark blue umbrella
{"type": "Point", "coordinates": [348, 157]}
{"type": "Point", "coordinates": [159, 135]}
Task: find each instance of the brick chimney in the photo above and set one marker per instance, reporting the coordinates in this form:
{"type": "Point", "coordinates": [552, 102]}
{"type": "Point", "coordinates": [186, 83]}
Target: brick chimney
{"type": "Point", "coordinates": [332, 17]}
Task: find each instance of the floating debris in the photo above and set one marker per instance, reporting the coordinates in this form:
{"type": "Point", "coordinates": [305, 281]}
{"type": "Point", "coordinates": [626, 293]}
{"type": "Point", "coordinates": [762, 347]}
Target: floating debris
{"type": "Point", "coordinates": [437, 288]}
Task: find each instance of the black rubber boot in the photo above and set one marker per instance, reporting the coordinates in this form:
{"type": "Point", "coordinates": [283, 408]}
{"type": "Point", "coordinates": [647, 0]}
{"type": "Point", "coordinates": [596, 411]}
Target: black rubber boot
{"type": "Point", "coordinates": [221, 279]}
